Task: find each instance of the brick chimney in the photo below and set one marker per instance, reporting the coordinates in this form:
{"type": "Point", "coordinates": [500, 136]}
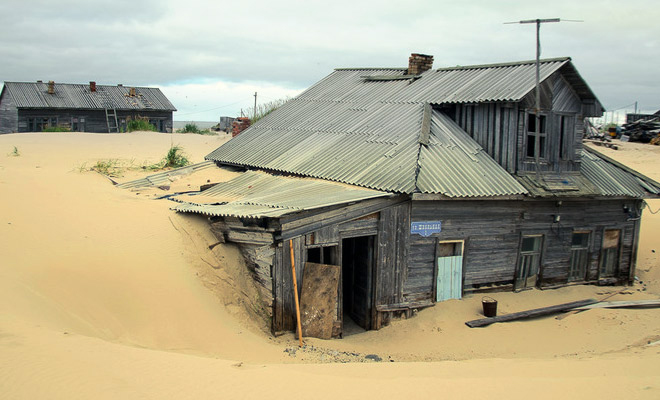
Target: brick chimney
{"type": "Point", "coordinates": [92, 86]}
{"type": "Point", "coordinates": [51, 87]}
{"type": "Point", "coordinates": [132, 92]}
{"type": "Point", "coordinates": [419, 63]}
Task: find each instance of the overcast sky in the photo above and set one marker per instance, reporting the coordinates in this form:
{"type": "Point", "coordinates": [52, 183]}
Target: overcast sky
{"type": "Point", "coordinates": [209, 57]}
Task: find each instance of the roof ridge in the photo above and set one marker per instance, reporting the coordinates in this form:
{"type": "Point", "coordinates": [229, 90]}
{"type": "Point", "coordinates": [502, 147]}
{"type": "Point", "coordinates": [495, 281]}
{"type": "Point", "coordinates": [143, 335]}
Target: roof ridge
{"type": "Point", "coordinates": [82, 84]}
{"type": "Point", "coordinates": [475, 66]}
{"type": "Point", "coordinates": [506, 64]}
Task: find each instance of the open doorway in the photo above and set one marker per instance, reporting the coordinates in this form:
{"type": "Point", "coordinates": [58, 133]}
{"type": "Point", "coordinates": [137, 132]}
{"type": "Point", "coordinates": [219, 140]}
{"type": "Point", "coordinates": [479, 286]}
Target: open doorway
{"type": "Point", "coordinates": [358, 259]}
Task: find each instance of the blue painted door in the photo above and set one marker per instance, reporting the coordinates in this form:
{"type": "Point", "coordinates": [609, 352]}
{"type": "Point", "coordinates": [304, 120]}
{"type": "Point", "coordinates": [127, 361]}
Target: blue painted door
{"type": "Point", "coordinates": [450, 271]}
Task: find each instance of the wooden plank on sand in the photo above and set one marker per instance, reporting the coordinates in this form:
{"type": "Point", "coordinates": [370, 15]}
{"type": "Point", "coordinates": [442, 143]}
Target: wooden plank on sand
{"type": "Point", "coordinates": [537, 312]}
{"type": "Point", "coordinates": [623, 304]}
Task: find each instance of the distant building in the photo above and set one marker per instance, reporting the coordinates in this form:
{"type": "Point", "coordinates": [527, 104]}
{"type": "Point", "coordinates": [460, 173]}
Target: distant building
{"type": "Point", "coordinates": [33, 106]}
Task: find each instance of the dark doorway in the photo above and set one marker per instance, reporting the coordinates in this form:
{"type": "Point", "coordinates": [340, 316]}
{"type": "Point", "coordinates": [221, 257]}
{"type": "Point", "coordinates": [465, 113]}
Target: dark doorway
{"type": "Point", "coordinates": [357, 279]}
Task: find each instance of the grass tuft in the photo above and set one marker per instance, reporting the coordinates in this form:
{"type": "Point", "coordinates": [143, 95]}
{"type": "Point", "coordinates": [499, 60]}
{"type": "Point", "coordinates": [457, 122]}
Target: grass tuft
{"type": "Point", "coordinates": [175, 158]}
{"type": "Point", "coordinates": [14, 153]}
{"type": "Point", "coordinates": [139, 124]}
{"type": "Point", "coordinates": [110, 167]}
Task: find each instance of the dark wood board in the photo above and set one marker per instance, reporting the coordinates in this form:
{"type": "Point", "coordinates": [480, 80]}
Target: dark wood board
{"type": "Point", "coordinates": [318, 301]}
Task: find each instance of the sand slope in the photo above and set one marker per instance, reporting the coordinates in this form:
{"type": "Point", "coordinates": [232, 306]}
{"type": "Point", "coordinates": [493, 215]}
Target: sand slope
{"type": "Point", "coordinates": [105, 293]}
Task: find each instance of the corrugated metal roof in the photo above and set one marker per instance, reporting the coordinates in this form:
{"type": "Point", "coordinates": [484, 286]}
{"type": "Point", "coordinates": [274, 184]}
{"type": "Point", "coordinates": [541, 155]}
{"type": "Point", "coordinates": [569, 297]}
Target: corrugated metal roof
{"type": "Point", "coordinates": [599, 177]}
{"type": "Point", "coordinates": [165, 177]}
{"type": "Point", "coordinates": [364, 132]}
{"type": "Point", "coordinates": [79, 96]}
{"type": "Point", "coordinates": [615, 180]}
{"type": "Point", "coordinates": [257, 194]}
{"type": "Point", "coordinates": [456, 166]}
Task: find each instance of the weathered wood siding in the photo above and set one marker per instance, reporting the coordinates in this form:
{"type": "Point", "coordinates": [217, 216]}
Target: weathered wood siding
{"type": "Point", "coordinates": [8, 113]}
{"type": "Point", "coordinates": [495, 127]}
{"type": "Point", "coordinates": [492, 231]}
{"type": "Point", "coordinates": [95, 120]}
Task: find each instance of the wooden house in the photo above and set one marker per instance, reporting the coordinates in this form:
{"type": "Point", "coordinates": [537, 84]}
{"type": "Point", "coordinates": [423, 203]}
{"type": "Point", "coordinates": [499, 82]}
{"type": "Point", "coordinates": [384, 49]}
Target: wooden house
{"type": "Point", "coordinates": [33, 106]}
{"type": "Point", "coordinates": [420, 185]}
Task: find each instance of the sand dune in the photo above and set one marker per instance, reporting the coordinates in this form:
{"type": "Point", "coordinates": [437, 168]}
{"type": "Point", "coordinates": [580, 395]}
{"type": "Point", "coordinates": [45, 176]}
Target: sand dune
{"type": "Point", "coordinates": [106, 293]}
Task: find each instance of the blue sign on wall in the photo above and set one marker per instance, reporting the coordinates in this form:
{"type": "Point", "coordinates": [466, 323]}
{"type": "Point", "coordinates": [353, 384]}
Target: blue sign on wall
{"type": "Point", "coordinates": [426, 228]}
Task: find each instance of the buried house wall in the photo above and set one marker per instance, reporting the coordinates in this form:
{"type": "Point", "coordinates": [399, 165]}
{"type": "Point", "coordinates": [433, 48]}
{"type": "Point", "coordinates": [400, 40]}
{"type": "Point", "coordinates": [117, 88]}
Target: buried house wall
{"type": "Point", "coordinates": [492, 232]}
{"type": "Point", "coordinates": [405, 267]}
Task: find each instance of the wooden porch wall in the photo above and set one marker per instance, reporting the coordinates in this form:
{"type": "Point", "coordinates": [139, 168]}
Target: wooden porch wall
{"type": "Point", "coordinates": [492, 231]}
{"type": "Point", "coordinates": [391, 226]}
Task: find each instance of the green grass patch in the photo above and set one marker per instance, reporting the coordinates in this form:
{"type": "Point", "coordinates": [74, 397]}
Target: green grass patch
{"type": "Point", "coordinates": [193, 128]}
{"type": "Point", "coordinates": [56, 128]}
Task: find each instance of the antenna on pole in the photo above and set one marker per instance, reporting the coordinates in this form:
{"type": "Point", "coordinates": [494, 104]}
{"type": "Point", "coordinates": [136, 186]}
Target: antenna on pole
{"type": "Point", "coordinates": [537, 108]}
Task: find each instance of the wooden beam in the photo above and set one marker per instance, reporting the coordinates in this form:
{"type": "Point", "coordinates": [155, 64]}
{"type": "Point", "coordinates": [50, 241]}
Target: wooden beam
{"type": "Point", "coordinates": [425, 131]}
{"type": "Point", "coordinates": [537, 312]}
{"type": "Point", "coordinates": [312, 223]}
{"type": "Point", "coordinates": [622, 304]}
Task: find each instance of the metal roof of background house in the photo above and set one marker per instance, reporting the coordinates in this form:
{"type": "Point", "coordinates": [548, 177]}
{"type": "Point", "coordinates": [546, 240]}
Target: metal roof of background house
{"type": "Point", "coordinates": [360, 126]}
{"type": "Point", "coordinates": [80, 96]}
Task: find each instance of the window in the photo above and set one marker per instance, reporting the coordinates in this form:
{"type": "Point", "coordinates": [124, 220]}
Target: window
{"type": "Point", "coordinates": [609, 254]}
{"type": "Point", "coordinates": [530, 261]}
{"type": "Point", "coordinates": [323, 255]}
{"type": "Point", "coordinates": [531, 135]}
{"type": "Point", "coordinates": [579, 256]}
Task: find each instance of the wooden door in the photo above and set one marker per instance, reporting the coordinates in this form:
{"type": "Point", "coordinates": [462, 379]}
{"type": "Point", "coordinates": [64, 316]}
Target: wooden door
{"type": "Point", "coordinates": [609, 254]}
{"type": "Point", "coordinates": [449, 283]}
{"type": "Point", "coordinates": [529, 262]}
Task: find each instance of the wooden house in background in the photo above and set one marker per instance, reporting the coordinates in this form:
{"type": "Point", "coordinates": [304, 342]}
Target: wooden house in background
{"type": "Point", "coordinates": [421, 185]}
{"type": "Point", "coordinates": [33, 106]}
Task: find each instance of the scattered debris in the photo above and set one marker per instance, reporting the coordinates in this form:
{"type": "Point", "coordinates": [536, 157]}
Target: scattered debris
{"type": "Point", "coordinates": [645, 131]}
{"type": "Point", "coordinates": [317, 354]}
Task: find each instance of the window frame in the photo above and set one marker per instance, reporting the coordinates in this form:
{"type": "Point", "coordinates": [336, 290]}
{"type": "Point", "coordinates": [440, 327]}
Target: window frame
{"type": "Point", "coordinates": [543, 135]}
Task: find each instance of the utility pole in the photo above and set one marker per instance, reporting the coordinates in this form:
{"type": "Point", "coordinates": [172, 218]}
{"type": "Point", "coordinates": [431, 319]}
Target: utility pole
{"type": "Point", "coordinates": [537, 136]}
{"type": "Point", "coordinates": [254, 117]}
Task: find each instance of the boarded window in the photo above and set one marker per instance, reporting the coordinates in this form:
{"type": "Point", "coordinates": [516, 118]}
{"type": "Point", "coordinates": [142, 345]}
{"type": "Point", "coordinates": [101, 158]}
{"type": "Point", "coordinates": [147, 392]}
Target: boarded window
{"type": "Point", "coordinates": [609, 255]}
{"type": "Point", "coordinates": [566, 129]}
{"type": "Point", "coordinates": [579, 256]}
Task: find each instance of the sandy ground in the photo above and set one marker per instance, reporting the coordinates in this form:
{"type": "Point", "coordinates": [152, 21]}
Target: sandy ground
{"type": "Point", "coordinates": [106, 293]}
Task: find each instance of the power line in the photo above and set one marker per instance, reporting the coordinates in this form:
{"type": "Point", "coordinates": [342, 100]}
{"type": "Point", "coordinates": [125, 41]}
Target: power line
{"type": "Point", "coordinates": [211, 109]}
